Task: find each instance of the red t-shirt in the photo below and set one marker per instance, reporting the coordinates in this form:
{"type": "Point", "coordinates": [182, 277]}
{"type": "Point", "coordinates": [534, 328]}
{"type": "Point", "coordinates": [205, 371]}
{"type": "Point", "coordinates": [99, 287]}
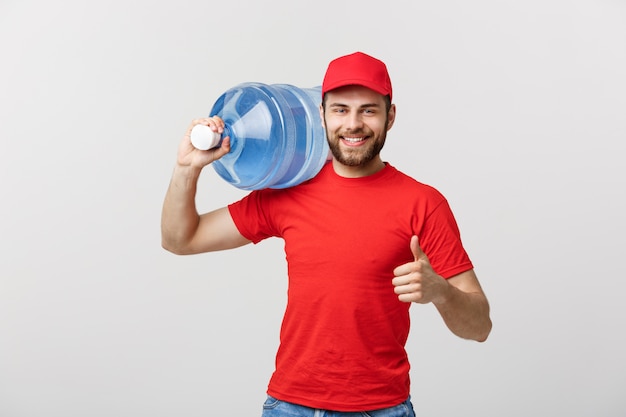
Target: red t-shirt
{"type": "Point", "coordinates": [343, 334]}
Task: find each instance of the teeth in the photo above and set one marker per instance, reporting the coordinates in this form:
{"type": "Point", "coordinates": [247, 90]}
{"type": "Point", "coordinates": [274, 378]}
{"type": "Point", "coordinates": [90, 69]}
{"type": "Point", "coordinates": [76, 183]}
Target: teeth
{"type": "Point", "coordinates": [353, 140]}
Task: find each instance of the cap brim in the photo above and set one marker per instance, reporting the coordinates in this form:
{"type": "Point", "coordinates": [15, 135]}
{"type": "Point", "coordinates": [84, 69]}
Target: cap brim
{"type": "Point", "coordinates": [364, 83]}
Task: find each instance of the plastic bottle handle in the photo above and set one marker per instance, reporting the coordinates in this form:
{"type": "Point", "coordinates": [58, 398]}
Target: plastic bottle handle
{"type": "Point", "coordinates": [203, 138]}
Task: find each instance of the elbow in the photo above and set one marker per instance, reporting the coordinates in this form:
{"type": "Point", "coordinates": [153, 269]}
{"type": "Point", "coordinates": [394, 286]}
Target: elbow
{"type": "Point", "coordinates": [485, 325]}
{"type": "Point", "coordinates": [175, 242]}
{"type": "Point", "coordinates": [170, 248]}
{"type": "Point", "coordinates": [484, 334]}
{"type": "Point", "coordinates": [478, 331]}
{"type": "Point", "coordinates": [174, 248]}
{"type": "Point", "coordinates": [482, 338]}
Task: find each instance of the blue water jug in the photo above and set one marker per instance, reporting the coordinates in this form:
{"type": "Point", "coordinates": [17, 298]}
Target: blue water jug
{"type": "Point", "coordinates": [277, 139]}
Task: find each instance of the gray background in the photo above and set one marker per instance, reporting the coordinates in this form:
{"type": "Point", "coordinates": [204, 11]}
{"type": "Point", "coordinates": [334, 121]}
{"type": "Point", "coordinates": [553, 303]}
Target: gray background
{"type": "Point", "coordinates": [514, 110]}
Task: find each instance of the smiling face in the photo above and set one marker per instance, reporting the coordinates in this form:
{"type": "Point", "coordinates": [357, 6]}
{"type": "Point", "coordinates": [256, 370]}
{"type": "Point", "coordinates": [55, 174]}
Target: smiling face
{"type": "Point", "coordinates": [356, 120]}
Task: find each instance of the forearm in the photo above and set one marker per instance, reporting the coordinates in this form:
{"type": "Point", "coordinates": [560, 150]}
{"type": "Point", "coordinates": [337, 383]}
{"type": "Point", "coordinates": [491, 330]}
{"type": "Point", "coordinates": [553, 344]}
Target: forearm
{"type": "Point", "coordinates": [465, 313]}
{"type": "Point", "coordinates": [179, 217]}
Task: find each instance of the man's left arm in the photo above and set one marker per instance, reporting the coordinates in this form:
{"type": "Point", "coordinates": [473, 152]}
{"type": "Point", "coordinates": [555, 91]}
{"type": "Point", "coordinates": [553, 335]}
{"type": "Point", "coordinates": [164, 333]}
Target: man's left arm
{"type": "Point", "coordinates": [464, 307]}
{"type": "Point", "coordinates": [460, 299]}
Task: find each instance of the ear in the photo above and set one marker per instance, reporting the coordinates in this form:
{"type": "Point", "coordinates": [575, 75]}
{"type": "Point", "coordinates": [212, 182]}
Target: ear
{"type": "Point", "coordinates": [322, 116]}
{"type": "Point", "coordinates": [391, 116]}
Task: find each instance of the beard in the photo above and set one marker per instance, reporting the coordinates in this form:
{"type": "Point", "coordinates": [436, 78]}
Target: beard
{"type": "Point", "coordinates": [357, 156]}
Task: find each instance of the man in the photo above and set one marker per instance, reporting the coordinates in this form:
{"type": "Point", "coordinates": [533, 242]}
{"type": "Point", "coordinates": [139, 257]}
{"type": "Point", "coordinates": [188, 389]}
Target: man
{"type": "Point", "coordinates": [363, 242]}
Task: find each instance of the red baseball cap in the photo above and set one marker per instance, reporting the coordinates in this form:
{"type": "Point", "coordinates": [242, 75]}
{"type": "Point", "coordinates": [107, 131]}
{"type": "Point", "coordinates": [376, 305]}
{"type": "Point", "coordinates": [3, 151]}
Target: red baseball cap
{"type": "Point", "coordinates": [357, 69]}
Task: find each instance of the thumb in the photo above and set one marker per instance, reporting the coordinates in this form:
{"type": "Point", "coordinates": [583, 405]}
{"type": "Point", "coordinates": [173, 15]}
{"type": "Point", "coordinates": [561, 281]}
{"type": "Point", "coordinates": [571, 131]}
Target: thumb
{"type": "Point", "coordinates": [417, 251]}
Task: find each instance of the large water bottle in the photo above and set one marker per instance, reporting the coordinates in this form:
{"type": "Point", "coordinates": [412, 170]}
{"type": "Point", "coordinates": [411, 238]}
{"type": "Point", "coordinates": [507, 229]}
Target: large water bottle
{"type": "Point", "coordinates": [277, 139]}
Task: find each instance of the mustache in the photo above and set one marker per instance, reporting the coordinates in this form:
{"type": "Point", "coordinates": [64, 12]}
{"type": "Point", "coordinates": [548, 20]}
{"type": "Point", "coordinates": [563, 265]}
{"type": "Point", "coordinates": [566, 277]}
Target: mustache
{"type": "Point", "coordinates": [354, 132]}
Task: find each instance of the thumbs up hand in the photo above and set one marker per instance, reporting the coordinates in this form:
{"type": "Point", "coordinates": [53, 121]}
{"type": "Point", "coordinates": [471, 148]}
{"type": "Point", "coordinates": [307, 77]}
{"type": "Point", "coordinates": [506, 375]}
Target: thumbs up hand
{"type": "Point", "coordinates": [417, 281]}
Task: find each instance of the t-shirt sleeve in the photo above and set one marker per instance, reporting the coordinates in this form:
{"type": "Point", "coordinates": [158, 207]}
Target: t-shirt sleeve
{"type": "Point", "coordinates": [249, 215]}
{"type": "Point", "coordinates": [441, 241]}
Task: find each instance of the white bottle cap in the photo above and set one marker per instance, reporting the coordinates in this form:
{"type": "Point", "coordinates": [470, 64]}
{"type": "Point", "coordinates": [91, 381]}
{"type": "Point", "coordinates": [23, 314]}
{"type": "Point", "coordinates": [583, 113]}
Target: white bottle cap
{"type": "Point", "coordinates": [203, 138]}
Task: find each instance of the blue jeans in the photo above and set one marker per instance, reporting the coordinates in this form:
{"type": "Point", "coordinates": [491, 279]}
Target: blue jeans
{"type": "Point", "coordinates": [277, 408]}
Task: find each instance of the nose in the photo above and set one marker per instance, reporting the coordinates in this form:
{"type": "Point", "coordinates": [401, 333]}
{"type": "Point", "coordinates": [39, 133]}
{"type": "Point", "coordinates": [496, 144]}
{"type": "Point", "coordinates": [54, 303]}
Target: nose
{"type": "Point", "coordinates": [354, 121]}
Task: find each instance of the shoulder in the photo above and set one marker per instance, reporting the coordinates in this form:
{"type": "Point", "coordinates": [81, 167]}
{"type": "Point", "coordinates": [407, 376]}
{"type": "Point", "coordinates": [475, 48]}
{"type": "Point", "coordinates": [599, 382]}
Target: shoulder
{"type": "Point", "coordinates": [412, 185]}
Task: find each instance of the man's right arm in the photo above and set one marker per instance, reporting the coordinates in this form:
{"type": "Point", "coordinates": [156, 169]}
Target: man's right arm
{"type": "Point", "coordinates": [183, 230]}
